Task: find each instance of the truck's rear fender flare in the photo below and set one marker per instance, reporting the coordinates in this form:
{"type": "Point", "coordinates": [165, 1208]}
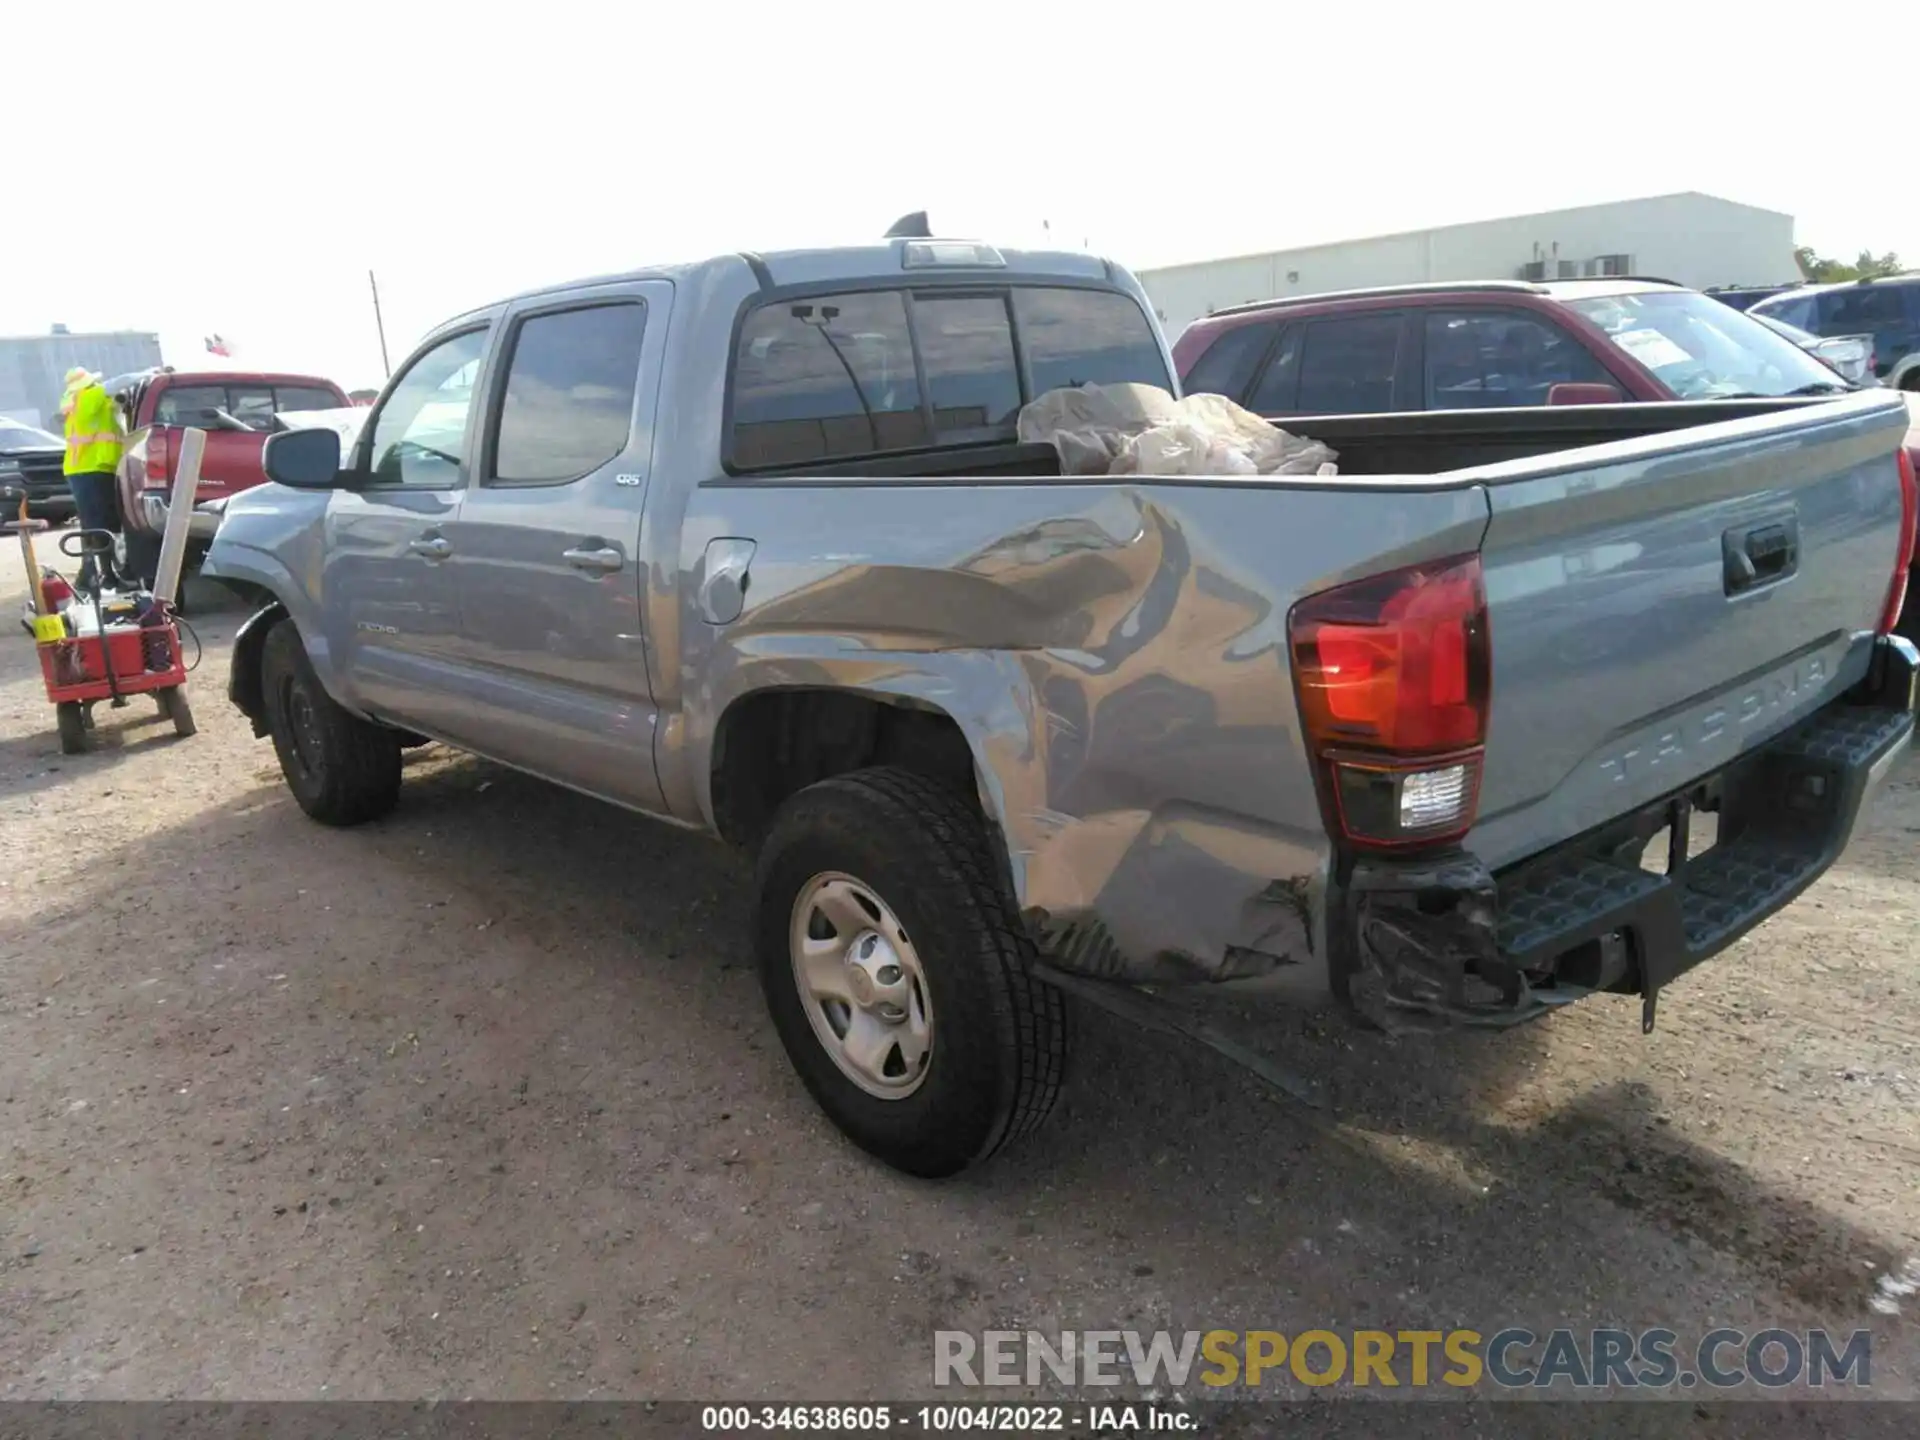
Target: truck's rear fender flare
{"type": "Point", "coordinates": [979, 698]}
{"type": "Point", "coordinates": [1128, 887]}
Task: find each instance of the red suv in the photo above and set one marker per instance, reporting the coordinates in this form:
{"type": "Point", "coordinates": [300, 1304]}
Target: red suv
{"type": "Point", "coordinates": [1491, 343]}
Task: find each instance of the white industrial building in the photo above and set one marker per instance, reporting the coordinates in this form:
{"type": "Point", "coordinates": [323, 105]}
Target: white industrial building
{"type": "Point", "coordinates": [1693, 239]}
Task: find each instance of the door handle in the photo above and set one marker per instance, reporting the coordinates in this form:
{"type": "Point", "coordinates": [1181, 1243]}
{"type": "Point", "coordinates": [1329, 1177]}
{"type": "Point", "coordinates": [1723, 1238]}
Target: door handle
{"type": "Point", "coordinates": [434, 547]}
{"type": "Point", "coordinates": [600, 560]}
{"type": "Point", "coordinates": [1760, 555]}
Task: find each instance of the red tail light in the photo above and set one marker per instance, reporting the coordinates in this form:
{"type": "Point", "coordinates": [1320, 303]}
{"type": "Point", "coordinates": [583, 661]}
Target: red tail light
{"type": "Point", "coordinates": [156, 459]}
{"type": "Point", "coordinates": [1903, 556]}
{"type": "Point", "coordinates": [1393, 678]}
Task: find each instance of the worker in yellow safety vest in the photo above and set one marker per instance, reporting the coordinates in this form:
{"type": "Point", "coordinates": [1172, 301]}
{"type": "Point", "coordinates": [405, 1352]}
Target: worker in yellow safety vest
{"type": "Point", "coordinates": [95, 439]}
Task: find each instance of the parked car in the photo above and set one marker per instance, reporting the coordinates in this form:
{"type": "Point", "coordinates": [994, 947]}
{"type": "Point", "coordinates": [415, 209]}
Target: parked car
{"type": "Point", "coordinates": [1459, 347]}
{"type": "Point", "coordinates": [1850, 355]}
{"type": "Point", "coordinates": [1745, 297]}
{"type": "Point", "coordinates": [235, 408]}
{"type": "Point", "coordinates": [35, 462]}
{"type": "Point", "coordinates": [1491, 343]}
{"type": "Point", "coordinates": [1887, 309]}
{"type": "Point", "coordinates": [751, 545]}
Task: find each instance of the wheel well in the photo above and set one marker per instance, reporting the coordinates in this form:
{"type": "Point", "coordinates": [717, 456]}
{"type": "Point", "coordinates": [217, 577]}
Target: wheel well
{"type": "Point", "coordinates": [774, 743]}
{"type": "Point", "coordinates": [1911, 380]}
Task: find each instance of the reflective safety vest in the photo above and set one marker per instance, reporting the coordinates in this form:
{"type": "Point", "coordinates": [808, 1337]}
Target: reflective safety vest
{"type": "Point", "coordinates": [94, 438]}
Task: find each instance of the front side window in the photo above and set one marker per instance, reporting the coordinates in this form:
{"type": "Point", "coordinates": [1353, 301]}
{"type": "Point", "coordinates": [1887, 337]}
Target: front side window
{"type": "Point", "coordinates": [1491, 358]}
{"type": "Point", "coordinates": [1347, 366]}
{"type": "Point", "coordinates": [1797, 311]}
{"type": "Point", "coordinates": [824, 378]}
{"type": "Point", "coordinates": [567, 408]}
{"type": "Point", "coordinates": [420, 435]}
{"type": "Point", "coordinates": [1703, 350]}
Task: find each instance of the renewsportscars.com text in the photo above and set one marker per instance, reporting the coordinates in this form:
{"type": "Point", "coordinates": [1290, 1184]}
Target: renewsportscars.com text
{"type": "Point", "coordinates": [1511, 1358]}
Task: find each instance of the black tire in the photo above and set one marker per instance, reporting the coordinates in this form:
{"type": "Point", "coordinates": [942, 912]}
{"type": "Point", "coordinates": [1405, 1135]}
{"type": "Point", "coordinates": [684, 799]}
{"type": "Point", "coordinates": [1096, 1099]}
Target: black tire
{"type": "Point", "coordinates": [71, 716]}
{"type": "Point", "coordinates": [173, 705]}
{"type": "Point", "coordinates": [1000, 1036]}
{"type": "Point", "coordinates": [347, 771]}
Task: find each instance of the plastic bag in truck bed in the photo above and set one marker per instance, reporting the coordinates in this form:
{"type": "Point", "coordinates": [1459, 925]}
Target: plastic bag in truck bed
{"type": "Point", "coordinates": [1143, 430]}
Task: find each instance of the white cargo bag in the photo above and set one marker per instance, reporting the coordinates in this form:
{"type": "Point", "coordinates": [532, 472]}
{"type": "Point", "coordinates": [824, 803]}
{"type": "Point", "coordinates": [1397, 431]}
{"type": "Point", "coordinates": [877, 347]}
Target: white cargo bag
{"type": "Point", "coordinates": [1143, 430]}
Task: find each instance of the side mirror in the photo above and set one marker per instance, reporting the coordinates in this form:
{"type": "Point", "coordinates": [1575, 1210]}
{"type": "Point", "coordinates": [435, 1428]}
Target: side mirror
{"type": "Point", "coordinates": [1584, 393]}
{"type": "Point", "coordinates": [304, 459]}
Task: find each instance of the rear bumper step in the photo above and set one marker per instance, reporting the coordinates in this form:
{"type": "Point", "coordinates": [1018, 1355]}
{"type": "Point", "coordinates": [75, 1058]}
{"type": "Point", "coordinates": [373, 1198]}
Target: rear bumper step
{"type": "Point", "coordinates": [1444, 942]}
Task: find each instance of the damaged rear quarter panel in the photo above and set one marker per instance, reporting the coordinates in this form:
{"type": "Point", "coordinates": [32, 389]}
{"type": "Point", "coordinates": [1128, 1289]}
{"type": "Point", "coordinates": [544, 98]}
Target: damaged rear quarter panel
{"type": "Point", "coordinates": [1115, 654]}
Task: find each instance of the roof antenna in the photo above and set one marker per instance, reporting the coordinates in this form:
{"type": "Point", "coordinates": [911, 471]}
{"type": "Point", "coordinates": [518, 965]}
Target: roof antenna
{"type": "Point", "coordinates": [910, 227]}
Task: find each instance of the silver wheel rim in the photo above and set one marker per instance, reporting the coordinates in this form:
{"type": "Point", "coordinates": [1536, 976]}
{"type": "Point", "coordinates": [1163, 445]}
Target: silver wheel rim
{"type": "Point", "coordinates": [862, 986]}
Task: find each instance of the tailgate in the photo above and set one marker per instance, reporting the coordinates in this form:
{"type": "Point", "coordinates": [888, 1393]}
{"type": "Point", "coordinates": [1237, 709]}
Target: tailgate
{"type": "Point", "coordinates": [1659, 606]}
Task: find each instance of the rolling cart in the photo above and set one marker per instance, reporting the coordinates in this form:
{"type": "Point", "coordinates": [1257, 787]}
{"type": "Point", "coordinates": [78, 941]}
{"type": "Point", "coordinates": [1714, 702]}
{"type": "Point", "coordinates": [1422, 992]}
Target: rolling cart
{"type": "Point", "coordinates": [112, 662]}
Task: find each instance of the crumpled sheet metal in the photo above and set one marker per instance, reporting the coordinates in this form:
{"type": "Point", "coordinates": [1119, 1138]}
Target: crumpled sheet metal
{"type": "Point", "coordinates": [1115, 655]}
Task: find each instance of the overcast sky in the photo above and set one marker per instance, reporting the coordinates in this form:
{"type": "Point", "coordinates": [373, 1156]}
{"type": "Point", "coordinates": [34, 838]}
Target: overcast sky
{"type": "Point", "coordinates": [238, 168]}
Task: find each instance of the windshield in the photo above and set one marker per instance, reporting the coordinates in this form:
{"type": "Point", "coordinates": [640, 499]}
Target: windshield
{"type": "Point", "coordinates": [15, 436]}
{"type": "Point", "coordinates": [1703, 350]}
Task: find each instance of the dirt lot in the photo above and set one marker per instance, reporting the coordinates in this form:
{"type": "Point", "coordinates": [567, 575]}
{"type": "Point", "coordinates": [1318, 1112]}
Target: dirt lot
{"type": "Point", "coordinates": [481, 1101]}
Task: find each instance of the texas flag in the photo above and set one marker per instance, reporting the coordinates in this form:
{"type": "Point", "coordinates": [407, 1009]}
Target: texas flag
{"type": "Point", "coordinates": [217, 345]}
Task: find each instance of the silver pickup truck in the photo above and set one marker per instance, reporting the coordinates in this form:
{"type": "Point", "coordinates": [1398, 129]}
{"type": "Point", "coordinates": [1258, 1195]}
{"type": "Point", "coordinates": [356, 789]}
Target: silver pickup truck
{"type": "Point", "coordinates": [751, 545]}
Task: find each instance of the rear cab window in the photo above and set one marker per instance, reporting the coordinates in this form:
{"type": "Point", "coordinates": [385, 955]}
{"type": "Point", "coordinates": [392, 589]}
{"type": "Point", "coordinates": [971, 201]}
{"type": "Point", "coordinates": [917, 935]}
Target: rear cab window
{"type": "Point", "coordinates": [829, 377]}
{"type": "Point", "coordinates": [253, 403]}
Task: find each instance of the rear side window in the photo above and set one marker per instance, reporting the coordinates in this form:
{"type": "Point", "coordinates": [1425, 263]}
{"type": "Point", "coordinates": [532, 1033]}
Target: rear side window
{"type": "Point", "coordinates": [1086, 337]}
{"type": "Point", "coordinates": [837, 376]}
{"type": "Point", "coordinates": [1347, 366]}
{"type": "Point", "coordinates": [1865, 307]}
{"type": "Point", "coordinates": [567, 408]}
{"type": "Point", "coordinates": [1225, 366]}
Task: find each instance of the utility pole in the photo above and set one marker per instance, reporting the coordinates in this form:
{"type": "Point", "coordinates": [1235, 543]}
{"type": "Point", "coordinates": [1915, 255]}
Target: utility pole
{"type": "Point", "coordinates": [385, 364]}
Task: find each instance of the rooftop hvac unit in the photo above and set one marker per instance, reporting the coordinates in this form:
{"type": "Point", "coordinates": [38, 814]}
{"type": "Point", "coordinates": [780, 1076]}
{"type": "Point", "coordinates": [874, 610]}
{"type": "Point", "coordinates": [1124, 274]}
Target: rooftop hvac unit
{"type": "Point", "coordinates": [1613, 265]}
{"type": "Point", "coordinates": [1535, 270]}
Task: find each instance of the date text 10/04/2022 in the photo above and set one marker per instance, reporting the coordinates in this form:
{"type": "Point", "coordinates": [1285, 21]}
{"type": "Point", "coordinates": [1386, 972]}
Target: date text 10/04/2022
{"type": "Point", "coordinates": [948, 1418]}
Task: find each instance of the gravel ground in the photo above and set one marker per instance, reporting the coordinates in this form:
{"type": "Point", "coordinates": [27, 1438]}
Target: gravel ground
{"type": "Point", "coordinates": [482, 1101]}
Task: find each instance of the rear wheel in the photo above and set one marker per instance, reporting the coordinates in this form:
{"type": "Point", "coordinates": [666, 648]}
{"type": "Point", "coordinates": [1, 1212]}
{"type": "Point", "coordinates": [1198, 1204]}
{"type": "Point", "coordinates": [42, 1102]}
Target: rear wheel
{"type": "Point", "coordinates": [341, 769]}
{"type": "Point", "coordinates": [173, 706]}
{"type": "Point", "coordinates": [898, 975]}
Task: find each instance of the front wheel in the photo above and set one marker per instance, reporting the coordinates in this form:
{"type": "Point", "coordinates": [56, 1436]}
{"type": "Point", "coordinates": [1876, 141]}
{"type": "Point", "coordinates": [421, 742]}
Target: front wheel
{"type": "Point", "coordinates": [341, 769]}
{"type": "Point", "coordinates": [71, 716]}
{"type": "Point", "coordinates": [898, 975]}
